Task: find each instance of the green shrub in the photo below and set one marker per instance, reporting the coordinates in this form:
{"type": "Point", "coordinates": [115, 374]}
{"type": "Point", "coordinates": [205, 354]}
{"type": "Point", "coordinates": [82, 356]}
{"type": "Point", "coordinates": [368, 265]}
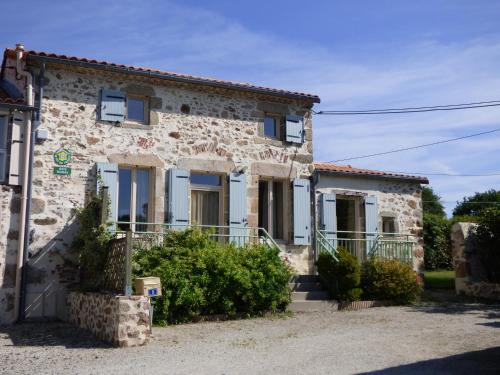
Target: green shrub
{"type": "Point", "coordinates": [341, 278]}
{"type": "Point", "coordinates": [385, 279]}
{"type": "Point", "coordinates": [488, 242]}
{"type": "Point", "coordinates": [91, 244]}
{"type": "Point", "coordinates": [201, 277]}
{"type": "Point", "coordinates": [437, 243]}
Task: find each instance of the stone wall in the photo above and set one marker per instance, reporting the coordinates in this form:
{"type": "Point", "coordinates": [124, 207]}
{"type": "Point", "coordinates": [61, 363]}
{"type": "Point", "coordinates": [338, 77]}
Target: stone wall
{"type": "Point", "coordinates": [469, 273]}
{"type": "Point", "coordinates": [395, 198]}
{"type": "Point", "coordinates": [120, 320]}
{"type": "Point", "coordinates": [191, 127]}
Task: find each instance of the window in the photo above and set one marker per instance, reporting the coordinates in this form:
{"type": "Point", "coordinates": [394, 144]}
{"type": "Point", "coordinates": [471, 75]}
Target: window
{"type": "Point", "coordinates": [388, 225]}
{"type": "Point", "coordinates": [134, 198]}
{"type": "Point", "coordinates": [137, 109]}
{"type": "Point", "coordinates": [206, 208]}
{"type": "Point", "coordinates": [271, 206]}
{"type": "Point", "coordinates": [272, 126]}
{"type": "Point", "coordinates": [3, 147]}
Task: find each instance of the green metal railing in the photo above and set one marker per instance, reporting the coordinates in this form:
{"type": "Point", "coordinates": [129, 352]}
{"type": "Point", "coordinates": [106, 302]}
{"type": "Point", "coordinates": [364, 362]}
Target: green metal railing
{"type": "Point", "coordinates": [325, 245]}
{"type": "Point", "coordinates": [366, 244]}
{"type": "Point", "coordinates": [149, 233]}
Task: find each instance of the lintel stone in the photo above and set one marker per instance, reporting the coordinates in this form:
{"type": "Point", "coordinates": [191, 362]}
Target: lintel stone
{"type": "Point", "coordinates": [273, 170]}
{"type": "Point", "coordinates": [216, 166]}
{"type": "Point", "coordinates": [146, 160]}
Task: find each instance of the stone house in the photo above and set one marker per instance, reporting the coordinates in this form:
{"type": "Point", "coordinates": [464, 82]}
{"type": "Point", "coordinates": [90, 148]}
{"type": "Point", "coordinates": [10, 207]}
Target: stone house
{"type": "Point", "coordinates": [359, 207]}
{"type": "Point", "coordinates": [172, 150]}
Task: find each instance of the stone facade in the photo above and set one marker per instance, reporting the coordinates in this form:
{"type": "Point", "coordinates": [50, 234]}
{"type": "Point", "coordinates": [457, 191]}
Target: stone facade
{"type": "Point", "coordinates": [191, 127]}
{"type": "Point", "coordinates": [469, 273]}
{"type": "Point", "coordinates": [120, 320]}
{"type": "Point", "coordinates": [401, 200]}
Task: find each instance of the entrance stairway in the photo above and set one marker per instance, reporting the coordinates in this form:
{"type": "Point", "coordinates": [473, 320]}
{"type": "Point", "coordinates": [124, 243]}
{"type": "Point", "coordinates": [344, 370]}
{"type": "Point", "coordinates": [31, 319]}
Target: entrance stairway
{"type": "Point", "coordinates": [308, 295]}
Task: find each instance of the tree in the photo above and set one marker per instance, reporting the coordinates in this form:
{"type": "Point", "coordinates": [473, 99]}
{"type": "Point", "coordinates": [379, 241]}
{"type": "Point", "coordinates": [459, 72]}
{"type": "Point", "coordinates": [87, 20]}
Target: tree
{"type": "Point", "coordinates": [431, 202]}
{"type": "Point", "coordinates": [477, 203]}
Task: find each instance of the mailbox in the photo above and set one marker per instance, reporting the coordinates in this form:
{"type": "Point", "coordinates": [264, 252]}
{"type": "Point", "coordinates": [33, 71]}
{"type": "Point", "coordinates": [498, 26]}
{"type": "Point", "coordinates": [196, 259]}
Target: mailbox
{"type": "Point", "coordinates": [148, 286]}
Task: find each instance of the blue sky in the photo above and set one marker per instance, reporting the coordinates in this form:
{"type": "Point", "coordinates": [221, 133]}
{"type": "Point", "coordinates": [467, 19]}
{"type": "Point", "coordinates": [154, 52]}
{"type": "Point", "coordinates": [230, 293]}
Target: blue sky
{"type": "Point", "coordinates": [354, 54]}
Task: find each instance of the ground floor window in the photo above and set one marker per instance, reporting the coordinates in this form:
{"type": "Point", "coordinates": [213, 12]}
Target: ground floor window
{"type": "Point", "coordinates": [388, 224]}
{"type": "Point", "coordinates": [134, 198]}
{"type": "Point", "coordinates": [206, 199]}
{"type": "Point", "coordinates": [271, 208]}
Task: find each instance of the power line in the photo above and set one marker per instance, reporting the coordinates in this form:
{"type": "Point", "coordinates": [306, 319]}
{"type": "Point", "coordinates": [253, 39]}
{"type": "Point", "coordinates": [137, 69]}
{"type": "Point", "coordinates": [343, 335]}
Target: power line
{"type": "Point", "coordinates": [458, 202]}
{"type": "Point", "coordinates": [447, 174]}
{"type": "Point", "coordinates": [415, 147]}
{"type": "Point", "coordinates": [448, 107]}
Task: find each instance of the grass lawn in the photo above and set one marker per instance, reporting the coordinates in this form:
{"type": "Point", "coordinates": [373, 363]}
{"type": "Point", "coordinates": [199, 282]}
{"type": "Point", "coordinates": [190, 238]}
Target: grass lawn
{"type": "Point", "coordinates": [440, 279]}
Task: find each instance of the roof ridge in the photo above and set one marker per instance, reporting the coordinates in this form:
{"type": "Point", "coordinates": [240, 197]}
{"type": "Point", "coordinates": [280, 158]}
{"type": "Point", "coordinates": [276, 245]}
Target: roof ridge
{"type": "Point", "coordinates": [169, 74]}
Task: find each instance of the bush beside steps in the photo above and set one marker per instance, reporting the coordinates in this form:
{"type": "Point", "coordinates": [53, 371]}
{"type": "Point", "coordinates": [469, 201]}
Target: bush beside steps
{"type": "Point", "coordinates": [383, 280]}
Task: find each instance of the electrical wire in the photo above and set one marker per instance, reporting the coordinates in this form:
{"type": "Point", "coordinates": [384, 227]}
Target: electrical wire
{"type": "Point", "coordinates": [416, 147]}
{"type": "Point", "coordinates": [447, 174]}
{"type": "Point", "coordinates": [448, 107]}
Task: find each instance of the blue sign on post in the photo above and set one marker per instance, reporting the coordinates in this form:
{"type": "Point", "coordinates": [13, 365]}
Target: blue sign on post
{"type": "Point", "coordinates": [152, 292]}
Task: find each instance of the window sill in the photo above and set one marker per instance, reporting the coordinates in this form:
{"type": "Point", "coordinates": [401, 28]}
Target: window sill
{"type": "Point", "coordinates": [269, 141]}
{"type": "Point", "coordinates": [135, 125]}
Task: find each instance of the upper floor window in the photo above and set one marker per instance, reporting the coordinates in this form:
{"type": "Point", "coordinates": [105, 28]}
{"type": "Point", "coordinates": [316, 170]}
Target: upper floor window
{"type": "Point", "coordinates": [272, 126]}
{"type": "Point", "coordinates": [3, 147]}
{"type": "Point", "coordinates": [137, 109]}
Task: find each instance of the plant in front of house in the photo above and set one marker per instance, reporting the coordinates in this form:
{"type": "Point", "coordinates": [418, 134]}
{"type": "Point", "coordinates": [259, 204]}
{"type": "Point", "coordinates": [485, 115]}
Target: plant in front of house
{"type": "Point", "coordinates": [390, 280]}
{"type": "Point", "coordinates": [201, 276]}
{"type": "Point", "coordinates": [91, 243]}
{"type": "Point", "coordinates": [341, 278]}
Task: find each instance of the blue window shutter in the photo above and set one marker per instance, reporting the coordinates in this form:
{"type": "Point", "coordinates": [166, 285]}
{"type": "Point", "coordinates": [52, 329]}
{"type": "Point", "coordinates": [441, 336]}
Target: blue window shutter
{"type": "Point", "coordinates": [371, 222]}
{"type": "Point", "coordinates": [178, 199]}
{"type": "Point", "coordinates": [107, 175]}
{"type": "Point", "coordinates": [238, 208]}
{"type": "Point", "coordinates": [294, 129]}
{"type": "Point", "coordinates": [16, 164]}
{"type": "Point", "coordinates": [328, 211]}
{"type": "Point", "coordinates": [301, 212]}
{"type": "Point", "coordinates": [112, 106]}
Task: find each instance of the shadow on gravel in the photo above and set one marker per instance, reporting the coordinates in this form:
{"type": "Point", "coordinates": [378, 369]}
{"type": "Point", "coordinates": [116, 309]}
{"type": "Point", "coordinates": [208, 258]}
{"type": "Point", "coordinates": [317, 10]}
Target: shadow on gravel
{"type": "Point", "coordinates": [49, 334]}
{"type": "Point", "coordinates": [480, 362]}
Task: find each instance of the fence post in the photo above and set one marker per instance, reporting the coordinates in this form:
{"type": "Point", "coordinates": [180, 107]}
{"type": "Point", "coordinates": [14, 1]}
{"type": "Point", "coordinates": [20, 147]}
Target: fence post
{"type": "Point", "coordinates": [128, 264]}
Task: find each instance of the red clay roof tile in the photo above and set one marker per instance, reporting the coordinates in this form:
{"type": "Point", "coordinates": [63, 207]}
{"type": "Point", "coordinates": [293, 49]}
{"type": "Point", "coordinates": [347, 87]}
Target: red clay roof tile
{"type": "Point", "coordinates": [349, 170]}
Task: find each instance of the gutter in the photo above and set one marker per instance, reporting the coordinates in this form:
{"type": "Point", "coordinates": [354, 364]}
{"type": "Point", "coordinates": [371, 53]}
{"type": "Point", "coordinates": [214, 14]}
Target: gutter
{"type": "Point", "coordinates": [36, 123]}
{"type": "Point", "coordinates": [171, 77]}
{"type": "Point", "coordinates": [20, 264]}
{"type": "Point", "coordinates": [19, 107]}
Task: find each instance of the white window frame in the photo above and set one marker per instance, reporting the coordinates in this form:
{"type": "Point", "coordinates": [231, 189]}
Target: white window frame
{"type": "Point", "coordinates": [221, 189]}
{"type": "Point", "coordinates": [133, 193]}
{"type": "Point", "coordinates": [145, 100]}
{"type": "Point", "coordinates": [270, 215]}
{"type": "Point", "coordinates": [3, 148]}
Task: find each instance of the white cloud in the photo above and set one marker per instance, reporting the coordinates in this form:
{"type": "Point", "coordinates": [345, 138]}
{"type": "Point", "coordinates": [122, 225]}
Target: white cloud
{"type": "Point", "coordinates": [192, 40]}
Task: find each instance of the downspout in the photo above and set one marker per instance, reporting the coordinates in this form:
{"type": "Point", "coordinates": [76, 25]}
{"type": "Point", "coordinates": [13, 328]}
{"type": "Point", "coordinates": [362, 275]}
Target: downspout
{"type": "Point", "coordinates": [35, 125]}
{"type": "Point", "coordinates": [24, 193]}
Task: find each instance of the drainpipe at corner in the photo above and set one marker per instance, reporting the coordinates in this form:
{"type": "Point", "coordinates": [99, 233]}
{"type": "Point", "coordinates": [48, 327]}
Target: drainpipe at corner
{"type": "Point", "coordinates": [24, 194]}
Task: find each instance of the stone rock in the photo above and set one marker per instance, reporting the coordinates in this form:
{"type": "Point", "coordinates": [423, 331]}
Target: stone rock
{"type": "Point", "coordinates": [45, 221]}
{"type": "Point", "coordinates": [92, 140]}
{"type": "Point", "coordinates": [37, 205]}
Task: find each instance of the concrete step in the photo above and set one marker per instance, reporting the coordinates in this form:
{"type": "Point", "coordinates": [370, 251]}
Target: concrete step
{"type": "Point", "coordinates": [304, 279]}
{"type": "Point", "coordinates": [304, 287]}
{"type": "Point", "coordinates": [317, 295]}
{"type": "Point", "coordinates": [312, 306]}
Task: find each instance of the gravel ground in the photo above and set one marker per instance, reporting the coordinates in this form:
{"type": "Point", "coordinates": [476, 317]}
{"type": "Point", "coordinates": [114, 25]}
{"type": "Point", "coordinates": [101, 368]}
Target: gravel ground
{"type": "Point", "coordinates": [432, 339]}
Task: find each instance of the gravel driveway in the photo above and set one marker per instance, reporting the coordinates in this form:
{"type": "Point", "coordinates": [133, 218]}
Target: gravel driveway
{"type": "Point", "coordinates": [458, 339]}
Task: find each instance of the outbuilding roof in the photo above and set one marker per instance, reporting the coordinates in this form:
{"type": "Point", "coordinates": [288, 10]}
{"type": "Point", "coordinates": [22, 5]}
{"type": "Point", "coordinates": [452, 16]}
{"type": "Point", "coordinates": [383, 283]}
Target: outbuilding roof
{"type": "Point", "coordinates": [105, 65]}
{"type": "Point", "coordinates": [348, 170]}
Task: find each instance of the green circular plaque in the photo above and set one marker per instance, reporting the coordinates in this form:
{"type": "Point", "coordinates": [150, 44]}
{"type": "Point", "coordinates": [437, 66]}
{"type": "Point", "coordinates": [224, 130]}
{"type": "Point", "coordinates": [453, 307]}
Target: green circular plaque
{"type": "Point", "coordinates": [62, 156]}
